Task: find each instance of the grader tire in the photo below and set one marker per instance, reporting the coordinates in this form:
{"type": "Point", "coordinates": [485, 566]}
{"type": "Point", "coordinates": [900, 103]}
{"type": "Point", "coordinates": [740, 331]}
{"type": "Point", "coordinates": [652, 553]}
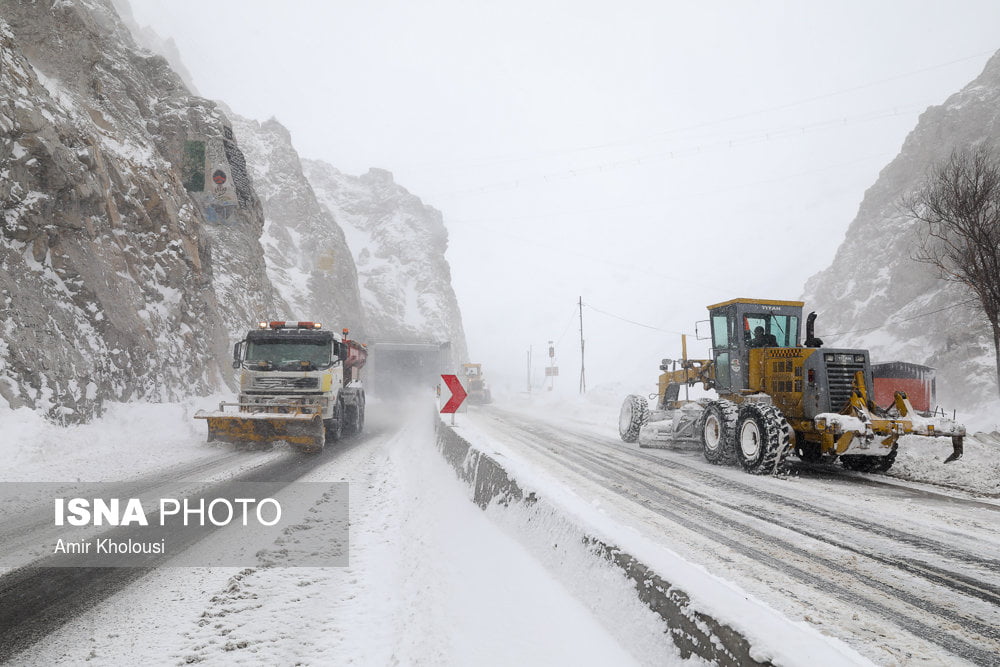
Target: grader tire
{"type": "Point", "coordinates": [718, 432]}
{"type": "Point", "coordinates": [763, 437]}
{"type": "Point", "coordinates": [633, 416]}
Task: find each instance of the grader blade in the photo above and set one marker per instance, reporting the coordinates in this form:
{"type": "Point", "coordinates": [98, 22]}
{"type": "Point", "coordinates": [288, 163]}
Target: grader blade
{"type": "Point", "coordinates": [304, 432]}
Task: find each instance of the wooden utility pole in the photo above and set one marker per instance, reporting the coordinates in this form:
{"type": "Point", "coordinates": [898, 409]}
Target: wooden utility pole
{"type": "Point", "coordinates": [583, 375]}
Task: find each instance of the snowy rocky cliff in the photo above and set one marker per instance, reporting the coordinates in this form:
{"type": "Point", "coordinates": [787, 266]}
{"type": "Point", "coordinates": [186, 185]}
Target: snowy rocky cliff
{"type": "Point", "coordinates": [308, 260]}
{"type": "Point", "coordinates": [144, 228]}
{"type": "Point", "coordinates": [129, 242]}
{"type": "Point", "coordinates": [875, 295]}
{"type": "Point", "coordinates": [399, 247]}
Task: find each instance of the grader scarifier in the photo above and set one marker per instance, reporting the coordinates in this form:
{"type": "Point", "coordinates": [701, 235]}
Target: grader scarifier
{"type": "Point", "coordinates": [777, 397]}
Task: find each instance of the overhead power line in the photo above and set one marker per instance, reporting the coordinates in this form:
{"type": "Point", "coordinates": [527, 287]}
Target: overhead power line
{"type": "Point", "coordinates": [726, 143]}
{"type": "Point", "coordinates": [657, 209]}
{"type": "Point", "coordinates": [906, 319]}
{"type": "Point", "coordinates": [569, 323]}
{"type": "Point", "coordinates": [831, 335]}
{"type": "Point", "coordinates": [644, 138]}
{"type": "Point", "coordinates": [638, 324]}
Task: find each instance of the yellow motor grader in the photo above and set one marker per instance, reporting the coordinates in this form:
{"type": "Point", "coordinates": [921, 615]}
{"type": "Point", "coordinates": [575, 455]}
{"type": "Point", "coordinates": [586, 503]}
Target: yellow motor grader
{"type": "Point", "coordinates": [777, 397]}
{"type": "Point", "coordinates": [475, 383]}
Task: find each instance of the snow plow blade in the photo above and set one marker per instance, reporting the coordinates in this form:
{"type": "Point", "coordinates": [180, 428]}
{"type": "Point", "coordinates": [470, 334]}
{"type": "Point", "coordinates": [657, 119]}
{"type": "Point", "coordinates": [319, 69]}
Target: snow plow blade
{"type": "Point", "coordinates": [303, 431]}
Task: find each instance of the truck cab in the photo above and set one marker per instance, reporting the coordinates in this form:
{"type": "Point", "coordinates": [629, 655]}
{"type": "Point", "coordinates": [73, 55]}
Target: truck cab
{"type": "Point", "coordinates": [298, 383]}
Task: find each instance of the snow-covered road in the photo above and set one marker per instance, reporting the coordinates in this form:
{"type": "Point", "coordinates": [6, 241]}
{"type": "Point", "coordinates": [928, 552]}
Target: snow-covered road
{"type": "Point", "coordinates": [903, 572]}
{"type": "Point", "coordinates": [430, 581]}
{"type": "Point", "coordinates": [896, 570]}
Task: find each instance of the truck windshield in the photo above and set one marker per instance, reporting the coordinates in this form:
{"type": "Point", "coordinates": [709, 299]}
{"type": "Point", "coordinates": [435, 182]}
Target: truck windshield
{"type": "Point", "coordinates": [288, 355]}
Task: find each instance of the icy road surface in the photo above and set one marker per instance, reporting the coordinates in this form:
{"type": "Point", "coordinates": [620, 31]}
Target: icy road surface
{"type": "Point", "coordinates": [431, 580]}
{"type": "Point", "coordinates": [905, 573]}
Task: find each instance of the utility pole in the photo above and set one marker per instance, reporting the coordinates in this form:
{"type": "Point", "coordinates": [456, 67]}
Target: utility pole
{"type": "Point", "coordinates": [552, 369]}
{"type": "Point", "coordinates": [583, 376]}
{"type": "Point", "coordinates": [529, 369]}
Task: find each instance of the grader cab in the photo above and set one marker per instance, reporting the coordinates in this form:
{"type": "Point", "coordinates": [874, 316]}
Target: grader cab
{"type": "Point", "coordinates": [778, 396]}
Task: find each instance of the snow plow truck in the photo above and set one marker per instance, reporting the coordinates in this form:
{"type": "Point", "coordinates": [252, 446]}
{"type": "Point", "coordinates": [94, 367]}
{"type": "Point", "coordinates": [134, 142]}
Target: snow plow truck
{"type": "Point", "coordinates": [777, 397]}
{"type": "Point", "coordinates": [298, 383]}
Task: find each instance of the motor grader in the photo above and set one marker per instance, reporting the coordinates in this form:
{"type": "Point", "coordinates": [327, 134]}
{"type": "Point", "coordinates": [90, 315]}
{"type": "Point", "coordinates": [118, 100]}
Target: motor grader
{"type": "Point", "coordinates": [776, 397]}
{"type": "Point", "coordinates": [475, 383]}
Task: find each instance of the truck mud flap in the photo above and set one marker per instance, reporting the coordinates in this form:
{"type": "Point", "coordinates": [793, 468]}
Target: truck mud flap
{"type": "Point", "coordinates": [303, 432]}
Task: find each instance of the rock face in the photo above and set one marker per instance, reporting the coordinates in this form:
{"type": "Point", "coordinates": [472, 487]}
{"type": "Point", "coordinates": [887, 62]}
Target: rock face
{"type": "Point", "coordinates": [399, 246]}
{"type": "Point", "coordinates": [132, 217]}
{"type": "Point", "coordinates": [129, 251]}
{"type": "Point", "coordinates": [874, 295]}
{"type": "Point", "coordinates": [308, 260]}
{"type": "Point", "coordinates": [149, 39]}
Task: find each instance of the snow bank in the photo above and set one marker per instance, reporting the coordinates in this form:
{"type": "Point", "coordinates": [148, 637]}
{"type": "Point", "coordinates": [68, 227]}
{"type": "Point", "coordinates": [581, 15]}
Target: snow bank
{"type": "Point", "coordinates": [430, 582]}
{"type": "Point", "coordinates": [705, 616]}
{"type": "Point", "coordinates": [130, 439]}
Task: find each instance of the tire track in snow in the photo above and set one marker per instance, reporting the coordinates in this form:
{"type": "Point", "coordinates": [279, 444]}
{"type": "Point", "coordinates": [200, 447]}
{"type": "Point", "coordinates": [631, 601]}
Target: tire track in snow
{"type": "Point", "coordinates": [36, 600]}
{"type": "Point", "coordinates": [746, 526]}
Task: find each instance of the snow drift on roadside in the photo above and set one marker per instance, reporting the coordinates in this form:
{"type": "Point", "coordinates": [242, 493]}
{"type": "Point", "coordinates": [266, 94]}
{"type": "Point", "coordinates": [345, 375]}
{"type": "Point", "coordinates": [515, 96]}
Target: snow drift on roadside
{"type": "Point", "coordinates": [130, 439]}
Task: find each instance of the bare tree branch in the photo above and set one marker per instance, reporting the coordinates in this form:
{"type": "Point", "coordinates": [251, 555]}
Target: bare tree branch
{"type": "Point", "coordinates": [958, 209]}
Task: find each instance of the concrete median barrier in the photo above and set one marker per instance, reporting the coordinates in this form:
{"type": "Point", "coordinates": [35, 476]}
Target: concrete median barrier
{"type": "Point", "coordinates": [692, 631]}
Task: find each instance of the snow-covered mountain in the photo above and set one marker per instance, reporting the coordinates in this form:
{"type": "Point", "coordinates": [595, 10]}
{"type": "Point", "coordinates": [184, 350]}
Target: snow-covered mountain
{"type": "Point", "coordinates": [875, 295]}
{"type": "Point", "coordinates": [110, 280]}
{"type": "Point", "coordinates": [399, 246]}
{"type": "Point", "coordinates": [308, 260]}
{"type": "Point", "coordinates": [151, 40]}
{"type": "Point", "coordinates": [144, 228]}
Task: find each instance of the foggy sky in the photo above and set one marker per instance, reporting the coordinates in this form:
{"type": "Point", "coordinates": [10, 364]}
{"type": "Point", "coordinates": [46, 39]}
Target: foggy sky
{"type": "Point", "coordinates": [651, 157]}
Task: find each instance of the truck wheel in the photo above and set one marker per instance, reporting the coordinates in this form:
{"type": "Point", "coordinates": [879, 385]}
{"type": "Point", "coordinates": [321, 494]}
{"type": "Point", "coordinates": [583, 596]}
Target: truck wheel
{"type": "Point", "coordinates": [633, 416]}
{"type": "Point", "coordinates": [359, 424]}
{"type": "Point", "coordinates": [350, 419]}
{"type": "Point", "coordinates": [355, 418]}
{"type": "Point", "coordinates": [335, 426]}
{"type": "Point", "coordinates": [861, 463]}
{"type": "Point", "coordinates": [763, 436]}
{"type": "Point", "coordinates": [718, 432]}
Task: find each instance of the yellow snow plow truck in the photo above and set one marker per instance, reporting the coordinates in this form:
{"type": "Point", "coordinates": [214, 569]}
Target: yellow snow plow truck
{"type": "Point", "coordinates": [777, 397]}
{"type": "Point", "coordinates": [298, 384]}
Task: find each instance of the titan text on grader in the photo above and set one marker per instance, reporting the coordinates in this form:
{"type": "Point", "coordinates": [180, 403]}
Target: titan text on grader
{"type": "Point", "coordinates": [298, 383]}
{"type": "Point", "coordinates": [777, 397]}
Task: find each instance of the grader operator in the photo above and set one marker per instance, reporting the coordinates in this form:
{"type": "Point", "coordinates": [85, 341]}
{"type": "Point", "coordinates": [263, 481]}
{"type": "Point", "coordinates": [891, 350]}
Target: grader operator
{"type": "Point", "coordinates": [777, 396]}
